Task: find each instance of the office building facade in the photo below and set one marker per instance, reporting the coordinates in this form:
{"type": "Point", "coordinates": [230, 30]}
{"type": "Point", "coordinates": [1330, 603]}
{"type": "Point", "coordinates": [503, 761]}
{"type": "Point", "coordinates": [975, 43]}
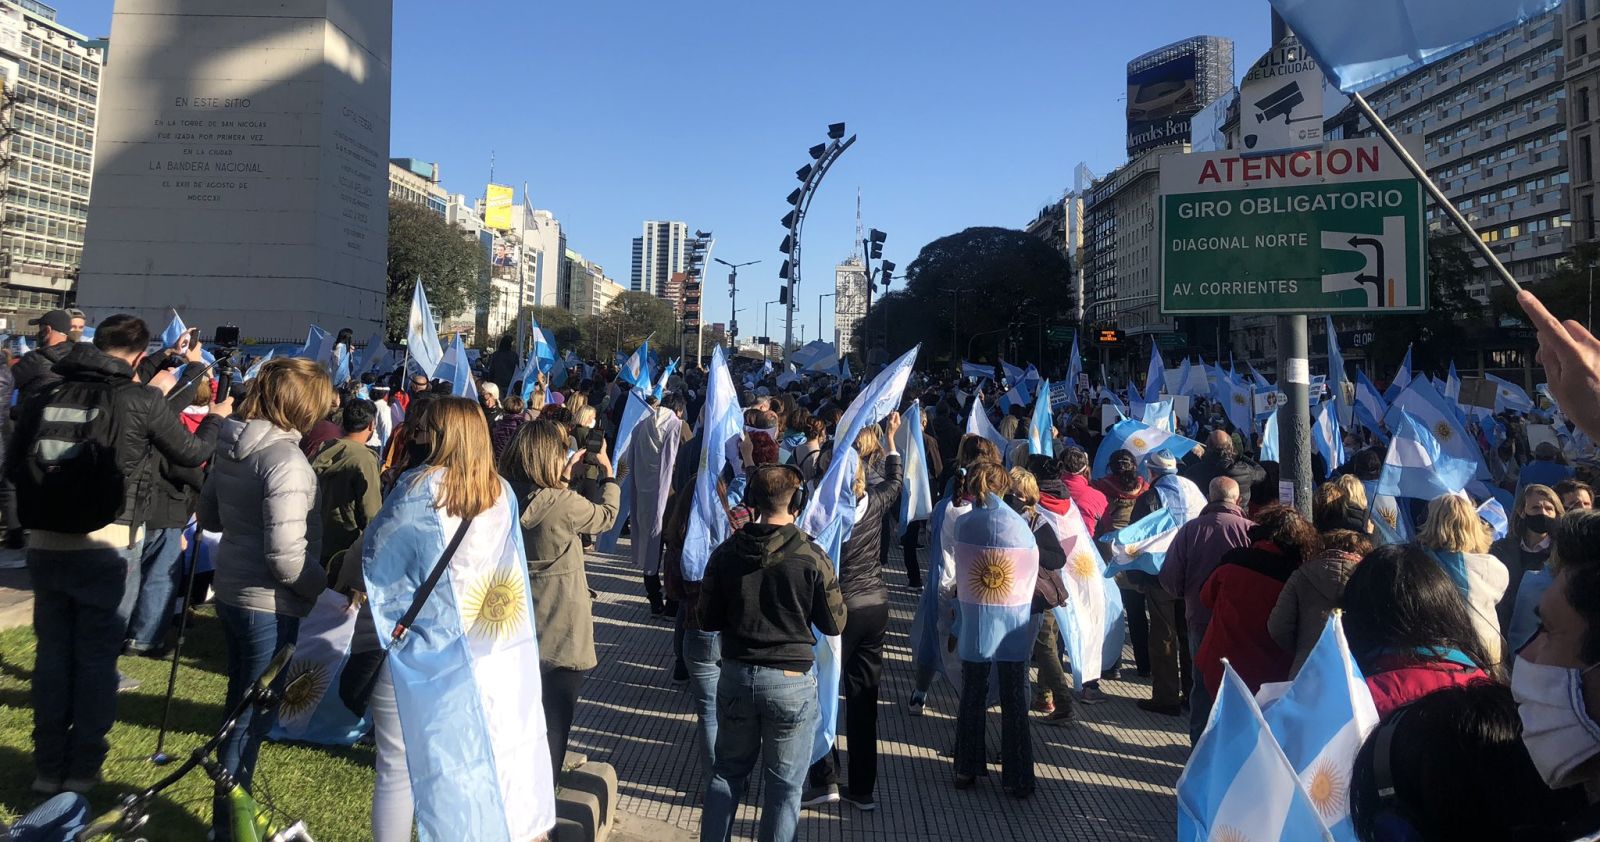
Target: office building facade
{"type": "Point", "coordinates": [52, 84]}
{"type": "Point", "coordinates": [850, 306]}
{"type": "Point", "coordinates": [1581, 54]}
{"type": "Point", "coordinates": [658, 253]}
{"type": "Point", "coordinates": [417, 182]}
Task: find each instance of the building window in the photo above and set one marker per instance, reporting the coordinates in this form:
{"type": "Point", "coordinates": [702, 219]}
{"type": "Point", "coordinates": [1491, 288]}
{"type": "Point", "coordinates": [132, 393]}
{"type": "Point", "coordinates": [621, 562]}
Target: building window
{"type": "Point", "coordinates": [1583, 105]}
{"type": "Point", "coordinates": [1580, 45]}
{"type": "Point", "coordinates": [1586, 159]}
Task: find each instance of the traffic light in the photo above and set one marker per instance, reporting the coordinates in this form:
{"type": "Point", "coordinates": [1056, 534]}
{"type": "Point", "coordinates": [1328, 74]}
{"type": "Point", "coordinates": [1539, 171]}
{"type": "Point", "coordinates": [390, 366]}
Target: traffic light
{"type": "Point", "coordinates": [876, 239]}
{"type": "Point", "coordinates": [783, 294]}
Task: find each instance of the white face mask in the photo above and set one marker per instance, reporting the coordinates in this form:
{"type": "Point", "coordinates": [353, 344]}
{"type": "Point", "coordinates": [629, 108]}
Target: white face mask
{"type": "Point", "coordinates": [1556, 728]}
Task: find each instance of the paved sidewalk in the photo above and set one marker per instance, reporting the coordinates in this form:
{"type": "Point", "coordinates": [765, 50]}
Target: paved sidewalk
{"type": "Point", "coordinates": [1108, 777]}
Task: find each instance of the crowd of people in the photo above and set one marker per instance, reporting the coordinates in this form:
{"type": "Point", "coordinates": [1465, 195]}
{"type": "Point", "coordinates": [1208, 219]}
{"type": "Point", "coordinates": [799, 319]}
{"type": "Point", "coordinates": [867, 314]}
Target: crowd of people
{"type": "Point", "coordinates": [1478, 648]}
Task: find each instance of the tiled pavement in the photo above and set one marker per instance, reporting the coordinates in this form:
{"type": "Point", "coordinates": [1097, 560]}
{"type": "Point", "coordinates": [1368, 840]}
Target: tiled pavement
{"type": "Point", "coordinates": [1108, 777]}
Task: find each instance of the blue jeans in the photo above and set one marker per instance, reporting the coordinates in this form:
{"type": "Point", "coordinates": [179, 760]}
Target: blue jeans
{"type": "Point", "coordinates": [702, 654]}
{"type": "Point", "coordinates": [771, 712]}
{"type": "Point", "coordinates": [79, 615]}
{"type": "Point", "coordinates": [159, 578]}
{"type": "Point", "coordinates": [253, 637]}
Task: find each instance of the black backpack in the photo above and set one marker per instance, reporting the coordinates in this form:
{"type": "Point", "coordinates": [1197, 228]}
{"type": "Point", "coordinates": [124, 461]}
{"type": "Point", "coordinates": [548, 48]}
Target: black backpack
{"type": "Point", "coordinates": [67, 475]}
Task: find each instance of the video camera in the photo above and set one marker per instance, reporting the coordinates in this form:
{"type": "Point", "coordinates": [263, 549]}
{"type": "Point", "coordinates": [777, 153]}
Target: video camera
{"type": "Point", "coordinates": [223, 346]}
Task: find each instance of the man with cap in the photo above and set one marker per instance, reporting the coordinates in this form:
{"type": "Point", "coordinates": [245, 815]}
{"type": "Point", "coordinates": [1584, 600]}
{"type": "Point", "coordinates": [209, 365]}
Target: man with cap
{"type": "Point", "coordinates": [35, 371]}
{"type": "Point", "coordinates": [1170, 665]}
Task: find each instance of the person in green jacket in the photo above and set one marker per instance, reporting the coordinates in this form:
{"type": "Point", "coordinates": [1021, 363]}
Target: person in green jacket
{"type": "Point", "coordinates": [348, 485]}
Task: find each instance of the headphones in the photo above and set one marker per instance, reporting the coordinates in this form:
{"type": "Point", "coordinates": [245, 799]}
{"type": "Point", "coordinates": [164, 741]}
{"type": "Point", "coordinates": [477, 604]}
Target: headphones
{"type": "Point", "coordinates": [801, 496]}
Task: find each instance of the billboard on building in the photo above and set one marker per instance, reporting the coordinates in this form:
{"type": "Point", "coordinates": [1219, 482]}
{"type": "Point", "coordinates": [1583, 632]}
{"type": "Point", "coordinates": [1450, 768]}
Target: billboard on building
{"type": "Point", "coordinates": [503, 259]}
{"type": "Point", "coordinates": [1162, 96]}
{"type": "Point", "coordinates": [497, 207]}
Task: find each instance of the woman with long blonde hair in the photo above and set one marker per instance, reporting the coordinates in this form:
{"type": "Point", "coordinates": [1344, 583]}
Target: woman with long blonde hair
{"type": "Point", "coordinates": [554, 517]}
{"type": "Point", "coordinates": [464, 673]}
{"type": "Point", "coordinates": [1459, 540]}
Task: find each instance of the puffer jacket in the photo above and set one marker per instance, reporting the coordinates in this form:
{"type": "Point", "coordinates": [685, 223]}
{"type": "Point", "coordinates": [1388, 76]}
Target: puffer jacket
{"type": "Point", "coordinates": [1310, 595]}
{"type": "Point", "coordinates": [552, 520]}
{"type": "Point", "coordinates": [860, 574]}
{"type": "Point", "coordinates": [35, 372]}
{"type": "Point", "coordinates": [503, 431]}
{"type": "Point", "coordinates": [262, 496]}
{"type": "Point", "coordinates": [1241, 594]}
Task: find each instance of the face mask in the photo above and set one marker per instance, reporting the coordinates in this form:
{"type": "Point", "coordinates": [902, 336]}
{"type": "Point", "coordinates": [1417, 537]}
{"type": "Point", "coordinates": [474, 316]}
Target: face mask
{"type": "Point", "coordinates": [1539, 524]}
{"type": "Point", "coordinates": [1556, 728]}
{"type": "Point", "coordinates": [76, 334]}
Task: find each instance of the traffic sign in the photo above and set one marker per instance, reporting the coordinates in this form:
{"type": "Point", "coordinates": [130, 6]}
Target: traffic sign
{"type": "Point", "coordinates": [1280, 101]}
{"type": "Point", "coordinates": [1171, 340]}
{"type": "Point", "coordinates": [1058, 334]}
{"type": "Point", "coordinates": [1336, 229]}
{"type": "Point", "coordinates": [1109, 336]}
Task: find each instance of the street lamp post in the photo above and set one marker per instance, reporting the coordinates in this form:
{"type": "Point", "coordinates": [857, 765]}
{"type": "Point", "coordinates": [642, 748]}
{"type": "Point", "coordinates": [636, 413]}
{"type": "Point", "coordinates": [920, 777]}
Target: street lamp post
{"type": "Point", "coordinates": [819, 316]}
{"type": "Point", "coordinates": [823, 155]}
{"type": "Point", "coordinates": [766, 328]}
{"type": "Point", "coordinates": [733, 295]}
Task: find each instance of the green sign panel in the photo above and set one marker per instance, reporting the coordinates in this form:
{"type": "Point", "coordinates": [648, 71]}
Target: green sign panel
{"type": "Point", "coordinates": [1172, 340]}
{"type": "Point", "coordinates": [1336, 229]}
{"type": "Point", "coordinates": [1058, 334]}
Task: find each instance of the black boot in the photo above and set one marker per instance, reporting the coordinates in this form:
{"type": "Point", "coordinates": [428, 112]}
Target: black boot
{"type": "Point", "coordinates": [652, 592]}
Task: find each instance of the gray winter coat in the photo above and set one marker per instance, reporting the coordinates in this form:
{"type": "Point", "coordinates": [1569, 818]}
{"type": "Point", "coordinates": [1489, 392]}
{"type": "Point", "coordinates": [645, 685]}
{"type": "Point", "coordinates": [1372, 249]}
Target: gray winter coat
{"type": "Point", "coordinates": [262, 496]}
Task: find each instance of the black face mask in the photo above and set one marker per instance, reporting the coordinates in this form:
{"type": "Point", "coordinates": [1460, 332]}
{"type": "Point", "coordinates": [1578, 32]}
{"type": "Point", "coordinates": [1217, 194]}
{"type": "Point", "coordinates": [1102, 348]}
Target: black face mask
{"type": "Point", "coordinates": [1538, 524]}
{"type": "Point", "coordinates": [418, 453]}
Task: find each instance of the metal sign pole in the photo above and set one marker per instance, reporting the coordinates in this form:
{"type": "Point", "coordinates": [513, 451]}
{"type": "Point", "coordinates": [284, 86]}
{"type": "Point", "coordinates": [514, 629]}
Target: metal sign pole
{"type": "Point", "coordinates": [1294, 417]}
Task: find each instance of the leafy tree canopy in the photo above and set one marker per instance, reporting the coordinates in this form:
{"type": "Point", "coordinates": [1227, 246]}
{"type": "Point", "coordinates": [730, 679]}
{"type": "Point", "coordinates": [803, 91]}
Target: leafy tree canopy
{"type": "Point", "coordinates": [423, 245]}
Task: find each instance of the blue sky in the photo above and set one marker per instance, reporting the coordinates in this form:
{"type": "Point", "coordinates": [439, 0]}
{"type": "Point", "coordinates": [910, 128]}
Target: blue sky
{"type": "Point", "coordinates": [616, 112]}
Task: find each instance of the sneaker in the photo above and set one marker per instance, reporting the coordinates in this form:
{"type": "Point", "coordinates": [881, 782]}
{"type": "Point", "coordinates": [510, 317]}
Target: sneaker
{"type": "Point", "coordinates": [80, 785]}
{"type": "Point", "coordinates": [45, 786]}
{"type": "Point", "coordinates": [680, 673]}
{"type": "Point", "coordinates": [127, 684]}
{"type": "Point", "coordinates": [1062, 716]}
{"type": "Point", "coordinates": [864, 803]}
{"type": "Point", "coordinates": [1111, 674]}
{"type": "Point", "coordinates": [918, 700]}
{"type": "Point", "coordinates": [1091, 696]}
{"type": "Point", "coordinates": [817, 796]}
{"type": "Point", "coordinates": [1150, 706]}
{"type": "Point", "coordinates": [1042, 704]}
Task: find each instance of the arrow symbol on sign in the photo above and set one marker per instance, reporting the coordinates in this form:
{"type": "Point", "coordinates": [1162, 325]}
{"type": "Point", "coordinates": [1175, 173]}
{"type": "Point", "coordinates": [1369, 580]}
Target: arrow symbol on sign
{"type": "Point", "coordinates": [1366, 278]}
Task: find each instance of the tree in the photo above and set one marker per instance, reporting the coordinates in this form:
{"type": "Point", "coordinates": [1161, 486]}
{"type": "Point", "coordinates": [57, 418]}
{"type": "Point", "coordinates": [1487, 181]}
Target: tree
{"type": "Point", "coordinates": [1565, 292]}
{"type": "Point", "coordinates": [628, 319]}
{"type": "Point", "coordinates": [1005, 277]}
{"type": "Point", "coordinates": [451, 266]}
{"type": "Point", "coordinates": [1454, 319]}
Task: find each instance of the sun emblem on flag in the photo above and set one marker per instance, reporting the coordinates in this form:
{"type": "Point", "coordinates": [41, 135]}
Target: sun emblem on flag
{"type": "Point", "coordinates": [1442, 432]}
{"type": "Point", "coordinates": [1238, 399]}
{"type": "Point", "coordinates": [304, 684]}
{"type": "Point", "coordinates": [991, 575]}
{"type": "Point", "coordinates": [496, 605]}
{"type": "Point", "coordinates": [1138, 442]}
{"type": "Point", "coordinates": [1328, 789]}
{"type": "Point", "coordinates": [1083, 567]}
{"type": "Point", "coordinates": [1390, 516]}
{"type": "Point", "coordinates": [1228, 834]}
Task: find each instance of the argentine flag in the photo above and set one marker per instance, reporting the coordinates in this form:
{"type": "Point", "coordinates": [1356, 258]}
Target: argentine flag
{"type": "Point", "coordinates": [255, 367]}
{"type": "Point", "coordinates": [1494, 513]}
{"type": "Point", "coordinates": [1139, 439]}
{"type": "Point", "coordinates": [1452, 384]}
{"type": "Point", "coordinates": [1074, 368]}
{"type": "Point", "coordinates": [666, 374]}
{"type": "Point", "coordinates": [976, 371]}
{"type": "Point", "coordinates": [997, 566]}
{"type": "Point", "coordinates": [636, 369]}
{"type": "Point", "coordinates": [1440, 418]}
{"type": "Point", "coordinates": [1269, 439]}
{"type": "Point", "coordinates": [1320, 722]}
{"type": "Point", "coordinates": [721, 421]}
{"type": "Point", "coordinates": [1370, 408]}
{"type": "Point", "coordinates": [176, 335]}
{"type": "Point", "coordinates": [1012, 373]}
{"type": "Point", "coordinates": [1041, 439]}
{"type": "Point", "coordinates": [372, 356]}
{"type": "Point", "coordinates": [1391, 520]}
{"type": "Point", "coordinates": [422, 335]}
{"type": "Point", "coordinates": [1017, 396]}
{"type": "Point", "coordinates": [1091, 624]}
{"type": "Point", "coordinates": [466, 676]}
{"type": "Point", "coordinates": [1158, 414]}
{"type": "Point", "coordinates": [978, 424]}
{"type": "Point", "coordinates": [1417, 466]}
{"type": "Point", "coordinates": [1508, 395]}
{"type": "Point", "coordinates": [1155, 376]}
{"type": "Point", "coordinates": [308, 712]}
{"type": "Point", "coordinates": [916, 494]}
{"type": "Point", "coordinates": [1142, 545]}
{"type": "Point", "coordinates": [1402, 378]}
{"type": "Point", "coordinates": [457, 370]}
{"type": "Point", "coordinates": [1238, 784]}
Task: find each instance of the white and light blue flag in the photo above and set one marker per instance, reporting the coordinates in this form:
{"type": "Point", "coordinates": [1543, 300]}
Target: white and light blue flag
{"type": "Point", "coordinates": [1494, 513]}
{"type": "Point", "coordinates": [916, 493]}
{"type": "Point", "coordinates": [456, 369]}
{"type": "Point", "coordinates": [1155, 376]}
{"type": "Point", "coordinates": [1508, 395]}
{"type": "Point", "coordinates": [1370, 408]}
{"type": "Point", "coordinates": [1418, 466]}
{"type": "Point", "coordinates": [1041, 428]}
{"type": "Point", "coordinates": [1452, 384]}
{"type": "Point", "coordinates": [1012, 373]}
{"type": "Point", "coordinates": [1441, 418]}
{"type": "Point", "coordinates": [976, 371]}
{"type": "Point", "coordinates": [309, 712]}
{"type": "Point", "coordinates": [636, 369]}
{"type": "Point", "coordinates": [1142, 545]}
{"type": "Point", "coordinates": [1402, 378]}
{"type": "Point", "coordinates": [1361, 43]}
{"type": "Point", "coordinates": [1238, 784]}
{"type": "Point", "coordinates": [1269, 439]}
{"type": "Point", "coordinates": [422, 335]}
{"type": "Point", "coordinates": [1327, 437]}
{"type": "Point", "coordinates": [1092, 624]}
{"type": "Point", "coordinates": [1138, 438]}
{"type": "Point", "coordinates": [721, 422]}
{"type": "Point", "coordinates": [176, 334]}
{"type": "Point", "coordinates": [978, 424]}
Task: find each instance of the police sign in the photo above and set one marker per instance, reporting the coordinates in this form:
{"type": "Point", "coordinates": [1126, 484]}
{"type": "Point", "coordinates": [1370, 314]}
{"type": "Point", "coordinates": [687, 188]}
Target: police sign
{"type": "Point", "coordinates": [1335, 229]}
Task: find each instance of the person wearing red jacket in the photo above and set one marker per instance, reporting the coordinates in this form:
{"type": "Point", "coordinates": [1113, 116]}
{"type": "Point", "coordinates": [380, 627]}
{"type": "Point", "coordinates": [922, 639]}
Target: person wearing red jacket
{"type": "Point", "coordinates": [1091, 501]}
{"type": "Point", "coordinates": [1241, 593]}
{"type": "Point", "coordinates": [1408, 628]}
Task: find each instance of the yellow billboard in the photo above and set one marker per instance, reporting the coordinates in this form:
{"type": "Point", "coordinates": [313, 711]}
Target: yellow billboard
{"type": "Point", "coordinates": [497, 207]}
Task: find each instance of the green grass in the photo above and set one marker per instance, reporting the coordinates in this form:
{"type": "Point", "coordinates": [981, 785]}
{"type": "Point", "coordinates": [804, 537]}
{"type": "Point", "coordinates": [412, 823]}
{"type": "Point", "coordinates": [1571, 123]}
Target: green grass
{"type": "Point", "coordinates": [329, 788]}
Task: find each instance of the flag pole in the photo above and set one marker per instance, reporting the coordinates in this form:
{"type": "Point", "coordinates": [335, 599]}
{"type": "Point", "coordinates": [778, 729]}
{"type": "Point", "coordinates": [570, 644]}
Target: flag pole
{"type": "Point", "coordinates": [1433, 190]}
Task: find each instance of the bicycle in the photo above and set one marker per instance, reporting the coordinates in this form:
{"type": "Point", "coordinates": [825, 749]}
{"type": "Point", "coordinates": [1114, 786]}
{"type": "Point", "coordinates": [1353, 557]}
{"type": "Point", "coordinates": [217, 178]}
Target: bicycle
{"type": "Point", "coordinates": [64, 818]}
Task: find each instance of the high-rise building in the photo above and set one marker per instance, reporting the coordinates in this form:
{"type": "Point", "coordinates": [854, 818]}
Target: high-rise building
{"type": "Point", "coordinates": [1060, 225]}
{"type": "Point", "coordinates": [1121, 253]}
{"type": "Point", "coordinates": [586, 289]}
{"type": "Point", "coordinates": [849, 306]}
{"type": "Point", "coordinates": [52, 83]}
{"type": "Point", "coordinates": [657, 254]}
{"type": "Point", "coordinates": [1582, 54]}
{"type": "Point", "coordinates": [1490, 126]}
{"type": "Point", "coordinates": [417, 182]}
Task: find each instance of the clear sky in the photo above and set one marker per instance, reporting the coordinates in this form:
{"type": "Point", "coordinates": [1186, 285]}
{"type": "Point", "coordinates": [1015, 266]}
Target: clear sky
{"type": "Point", "coordinates": [615, 112]}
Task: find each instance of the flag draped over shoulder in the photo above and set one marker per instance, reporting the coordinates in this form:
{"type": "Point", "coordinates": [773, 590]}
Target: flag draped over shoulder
{"type": "Point", "coordinates": [1087, 621]}
{"type": "Point", "coordinates": [997, 566]}
{"type": "Point", "coordinates": [422, 335]}
{"type": "Point", "coordinates": [721, 422]}
{"type": "Point", "coordinates": [1320, 722]}
{"type": "Point", "coordinates": [1142, 545]}
{"type": "Point", "coordinates": [309, 712]}
{"type": "Point", "coordinates": [633, 412]}
{"type": "Point", "coordinates": [1238, 784]}
{"type": "Point", "coordinates": [466, 676]}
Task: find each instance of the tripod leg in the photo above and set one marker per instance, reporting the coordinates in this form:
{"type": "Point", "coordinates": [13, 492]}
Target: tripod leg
{"type": "Point", "coordinates": [160, 757]}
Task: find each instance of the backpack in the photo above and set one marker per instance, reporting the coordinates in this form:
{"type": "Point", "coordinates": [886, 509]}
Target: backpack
{"type": "Point", "coordinates": [67, 475]}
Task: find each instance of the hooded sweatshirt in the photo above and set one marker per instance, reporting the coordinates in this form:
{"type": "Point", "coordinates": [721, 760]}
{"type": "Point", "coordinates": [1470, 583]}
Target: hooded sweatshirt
{"type": "Point", "coordinates": [348, 484]}
{"type": "Point", "coordinates": [764, 589]}
{"type": "Point", "coordinates": [262, 496]}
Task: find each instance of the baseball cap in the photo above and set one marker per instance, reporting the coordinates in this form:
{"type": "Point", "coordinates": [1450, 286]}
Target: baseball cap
{"type": "Point", "coordinates": [59, 321]}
